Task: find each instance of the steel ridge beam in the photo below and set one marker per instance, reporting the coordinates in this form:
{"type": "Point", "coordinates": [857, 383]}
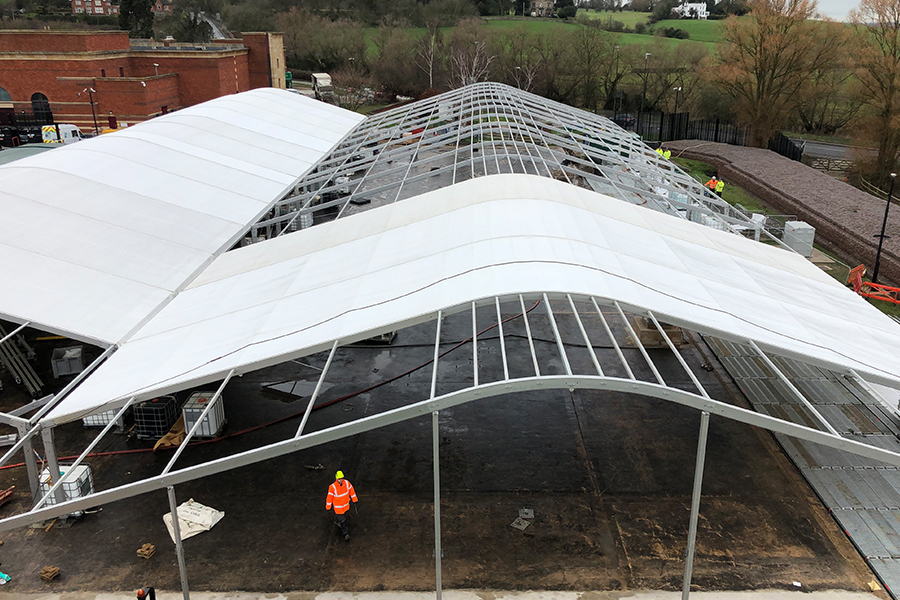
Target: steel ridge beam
{"type": "Point", "coordinates": [422, 408]}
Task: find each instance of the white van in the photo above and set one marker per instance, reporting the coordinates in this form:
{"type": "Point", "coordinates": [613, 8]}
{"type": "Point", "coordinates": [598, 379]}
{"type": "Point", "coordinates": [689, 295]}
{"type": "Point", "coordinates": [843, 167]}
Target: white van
{"type": "Point", "coordinates": [61, 133]}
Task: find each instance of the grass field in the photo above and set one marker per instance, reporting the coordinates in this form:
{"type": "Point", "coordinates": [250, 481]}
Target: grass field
{"type": "Point", "coordinates": [705, 31]}
{"type": "Point", "coordinates": [701, 31]}
{"type": "Point", "coordinates": [628, 17]}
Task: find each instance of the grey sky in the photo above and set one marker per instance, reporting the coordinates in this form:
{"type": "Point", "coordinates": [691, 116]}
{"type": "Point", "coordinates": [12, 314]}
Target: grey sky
{"type": "Point", "coordinates": [837, 9]}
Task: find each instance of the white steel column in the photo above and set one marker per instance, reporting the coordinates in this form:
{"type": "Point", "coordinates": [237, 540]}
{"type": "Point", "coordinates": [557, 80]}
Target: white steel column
{"type": "Point", "coordinates": [58, 482]}
{"type": "Point", "coordinates": [30, 462]}
{"type": "Point", "coordinates": [695, 504]}
{"type": "Point", "coordinates": [436, 450]}
{"type": "Point", "coordinates": [52, 462]}
{"type": "Point", "coordinates": [435, 441]}
{"type": "Point", "coordinates": [179, 548]}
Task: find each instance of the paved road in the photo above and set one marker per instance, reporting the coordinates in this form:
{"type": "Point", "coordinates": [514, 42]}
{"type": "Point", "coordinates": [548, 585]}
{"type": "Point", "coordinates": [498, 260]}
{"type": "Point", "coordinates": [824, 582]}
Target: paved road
{"type": "Point", "coordinates": [216, 32]}
{"type": "Point", "coordinates": [825, 150]}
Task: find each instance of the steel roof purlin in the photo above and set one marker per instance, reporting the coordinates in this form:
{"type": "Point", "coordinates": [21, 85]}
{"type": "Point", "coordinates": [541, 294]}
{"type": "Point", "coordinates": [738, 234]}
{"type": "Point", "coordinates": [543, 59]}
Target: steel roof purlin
{"type": "Point", "coordinates": [484, 129]}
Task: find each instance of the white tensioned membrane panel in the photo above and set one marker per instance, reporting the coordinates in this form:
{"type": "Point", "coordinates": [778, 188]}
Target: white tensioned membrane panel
{"type": "Point", "coordinates": [492, 236]}
{"type": "Point", "coordinates": [95, 235]}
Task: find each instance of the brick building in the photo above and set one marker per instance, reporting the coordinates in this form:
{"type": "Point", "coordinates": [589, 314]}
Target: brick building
{"type": "Point", "coordinates": [111, 7]}
{"type": "Point", "coordinates": [55, 74]}
{"type": "Point", "coordinates": [95, 7]}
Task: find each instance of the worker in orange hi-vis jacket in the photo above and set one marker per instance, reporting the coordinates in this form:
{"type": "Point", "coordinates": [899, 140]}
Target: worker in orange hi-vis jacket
{"type": "Point", "coordinates": [340, 494]}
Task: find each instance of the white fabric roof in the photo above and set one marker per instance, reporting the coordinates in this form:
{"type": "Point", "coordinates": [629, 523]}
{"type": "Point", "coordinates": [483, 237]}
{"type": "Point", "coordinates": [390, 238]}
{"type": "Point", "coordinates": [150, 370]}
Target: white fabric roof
{"type": "Point", "coordinates": [491, 236]}
{"type": "Point", "coordinates": [96, 235]}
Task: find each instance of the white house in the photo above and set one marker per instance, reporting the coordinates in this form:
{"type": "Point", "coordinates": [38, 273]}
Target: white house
{"type": "Point", "coordinates": [692, 10]}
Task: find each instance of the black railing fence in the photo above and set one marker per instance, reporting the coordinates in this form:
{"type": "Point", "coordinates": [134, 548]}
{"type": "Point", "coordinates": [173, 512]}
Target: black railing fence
{"type": "Point", "coordinates": [667, 127]}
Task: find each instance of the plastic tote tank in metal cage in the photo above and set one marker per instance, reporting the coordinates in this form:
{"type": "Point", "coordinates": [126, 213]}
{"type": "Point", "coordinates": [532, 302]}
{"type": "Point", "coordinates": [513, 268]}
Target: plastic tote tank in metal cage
{"type": "Point", "coordinates": [101, 419]}
{"type": "Point", "coordinates": [214, 421]}
{"type": "Point", "coordinates": [77, 485]}
{"type": "Point", "coordinates": [154, 418]}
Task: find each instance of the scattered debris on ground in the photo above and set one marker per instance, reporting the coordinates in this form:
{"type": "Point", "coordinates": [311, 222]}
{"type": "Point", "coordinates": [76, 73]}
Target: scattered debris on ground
{"type": "Point", "coordinates": [49, 573]}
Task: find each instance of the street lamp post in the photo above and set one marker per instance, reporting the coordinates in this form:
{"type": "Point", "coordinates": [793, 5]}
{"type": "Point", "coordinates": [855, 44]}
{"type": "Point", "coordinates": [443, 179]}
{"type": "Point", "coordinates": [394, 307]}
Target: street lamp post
{"type": "Point", "coordinates": [90, 92]}
{"type": "Point", "coordinates": [674, 118]}
{"type": "Point", "coordinates": [644, 93]}
{"type": "Point", "coordinates": [156, 68]}
{"type": "Point", "coordinates": [615, 82]}
{"type": "Point", "coordinates": [883, 227]}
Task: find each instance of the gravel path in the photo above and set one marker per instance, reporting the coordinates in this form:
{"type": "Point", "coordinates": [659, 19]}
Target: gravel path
{"type": "Point", "coordinates": [846, 219]}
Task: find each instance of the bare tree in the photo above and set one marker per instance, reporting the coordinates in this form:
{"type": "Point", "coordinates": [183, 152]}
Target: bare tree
{"type": "Point", "coordinates": [517, 63]}
{"type": "Point", "coordinates": [470, 59]}
{"type": "Point", "coordinates": [352, 87]}
{"type": "Point", "coordinates": [877, 25]}
{"type": "Point", "coordinates": [764, 60]}
{"type": "Point", "coordinates": [826, 100]}
{"type": "Point", "coordinates": [430, 51]}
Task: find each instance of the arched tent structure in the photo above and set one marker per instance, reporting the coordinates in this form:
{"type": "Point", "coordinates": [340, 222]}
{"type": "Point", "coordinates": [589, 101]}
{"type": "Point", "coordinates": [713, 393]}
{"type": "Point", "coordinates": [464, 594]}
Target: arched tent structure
{"type": "Point", "coordinates": [503, 232]}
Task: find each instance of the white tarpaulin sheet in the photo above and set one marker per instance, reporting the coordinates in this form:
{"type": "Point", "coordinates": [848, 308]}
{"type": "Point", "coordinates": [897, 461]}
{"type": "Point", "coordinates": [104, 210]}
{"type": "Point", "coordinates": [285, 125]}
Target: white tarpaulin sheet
{"type": "Point", "coordinates": [95, 236]}
{"type": "Point", "coordinates": [491, 236]}
{"type": "Point", "coordinates": [193, 518]}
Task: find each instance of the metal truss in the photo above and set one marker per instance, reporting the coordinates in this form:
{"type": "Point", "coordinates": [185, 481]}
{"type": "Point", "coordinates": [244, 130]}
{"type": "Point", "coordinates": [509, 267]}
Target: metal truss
{"type": "Point", "coordinates": [486, 129]}
{"type": "Point", "coordinates": [594, 318]}
{"type": "Point", "coordinates": [601, 323]}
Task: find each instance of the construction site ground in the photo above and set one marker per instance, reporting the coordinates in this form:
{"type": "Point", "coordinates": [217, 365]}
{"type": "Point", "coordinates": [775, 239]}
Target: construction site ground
{"type": "Point", "coordinates": [608, 475]}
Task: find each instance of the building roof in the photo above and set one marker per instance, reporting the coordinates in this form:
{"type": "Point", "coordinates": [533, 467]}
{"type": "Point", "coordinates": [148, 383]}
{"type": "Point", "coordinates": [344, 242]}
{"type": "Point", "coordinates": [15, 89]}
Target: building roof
{"type": "Point", "coordinates": [500, 235]}
{"type": "Point", "coordinates": [98, 235]}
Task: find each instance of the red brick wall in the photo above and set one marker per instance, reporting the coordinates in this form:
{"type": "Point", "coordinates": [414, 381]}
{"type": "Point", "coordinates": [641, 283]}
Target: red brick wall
{"type": "Point", "coordinates": [185, 77]}
{"type": "Point", "coordinates": [258, 61]}
{"type": "Point", "coordinates": [56, 41]}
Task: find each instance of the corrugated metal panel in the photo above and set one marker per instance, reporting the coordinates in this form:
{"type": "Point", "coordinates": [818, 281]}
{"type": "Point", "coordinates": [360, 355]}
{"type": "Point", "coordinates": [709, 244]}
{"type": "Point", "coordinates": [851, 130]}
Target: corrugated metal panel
{"type": "Point", "coordinates": [888, 571]}
{"type": "Point", "coordinates": [862, 494]}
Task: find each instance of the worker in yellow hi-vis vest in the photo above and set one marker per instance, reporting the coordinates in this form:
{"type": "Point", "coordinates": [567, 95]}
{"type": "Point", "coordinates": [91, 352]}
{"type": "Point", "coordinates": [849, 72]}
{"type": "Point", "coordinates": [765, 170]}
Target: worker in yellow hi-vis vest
{"type": "Point", "coordinates": [720, 185]}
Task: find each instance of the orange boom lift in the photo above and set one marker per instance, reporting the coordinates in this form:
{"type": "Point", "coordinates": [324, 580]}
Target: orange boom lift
{"type": "Point", "coordinates": [872, 290]}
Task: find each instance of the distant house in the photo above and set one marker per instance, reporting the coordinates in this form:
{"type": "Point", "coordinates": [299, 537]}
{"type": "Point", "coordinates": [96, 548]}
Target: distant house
{"type": "Point", "coordinates": [542, 8]}
{"type": "Point", "coordinates": [692, 10]}
{"type": "Point", "coordinates": [94, 7]}
{"type": "Point", "coordinates": [161, 7]}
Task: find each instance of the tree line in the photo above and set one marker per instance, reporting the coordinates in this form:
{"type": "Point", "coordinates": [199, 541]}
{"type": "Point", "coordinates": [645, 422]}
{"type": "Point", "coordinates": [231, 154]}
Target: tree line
{"type": "Point", "coordinates": [777, 67]}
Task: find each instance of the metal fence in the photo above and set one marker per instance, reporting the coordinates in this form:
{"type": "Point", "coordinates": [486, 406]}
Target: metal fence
{"type": "Point", "coordinates": [666, 127]}
{"type": "Point", "coordinates": [786, 147]}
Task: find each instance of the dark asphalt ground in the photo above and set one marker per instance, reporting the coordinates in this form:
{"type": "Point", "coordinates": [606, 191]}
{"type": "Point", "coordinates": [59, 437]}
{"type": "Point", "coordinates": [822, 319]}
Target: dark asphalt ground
{"type": "Point", "coordinates": [608, 475]}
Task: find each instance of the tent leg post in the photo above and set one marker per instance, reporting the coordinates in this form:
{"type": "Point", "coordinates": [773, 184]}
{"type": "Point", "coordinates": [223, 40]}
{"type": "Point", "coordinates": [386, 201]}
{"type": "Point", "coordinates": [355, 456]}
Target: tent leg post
{"type": "Point", "coordinates": [437, 503]}
{"type": "Point", "coordinates": [695, 504]}
{"type": "Point", "coordinates": [179, 549]}
{"type": "Point", "coordinates": [52, 462]}
{"type": "Point", "coordinates": [30, 464]}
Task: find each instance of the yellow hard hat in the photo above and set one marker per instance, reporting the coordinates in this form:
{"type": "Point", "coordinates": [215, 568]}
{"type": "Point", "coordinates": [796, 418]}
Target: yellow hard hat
{"type": "Point", "coordinates": [339, 475]}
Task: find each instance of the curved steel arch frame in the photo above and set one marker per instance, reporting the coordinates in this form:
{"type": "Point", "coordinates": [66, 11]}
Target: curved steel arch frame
{"type": "Point", "coordinates": [422, 408]}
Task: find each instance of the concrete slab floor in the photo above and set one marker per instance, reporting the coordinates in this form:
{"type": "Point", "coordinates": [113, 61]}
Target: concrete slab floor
{"type": "Point", "coordinates": [466, 595]}
{"type": "Point", "coordinates": [608, 475]}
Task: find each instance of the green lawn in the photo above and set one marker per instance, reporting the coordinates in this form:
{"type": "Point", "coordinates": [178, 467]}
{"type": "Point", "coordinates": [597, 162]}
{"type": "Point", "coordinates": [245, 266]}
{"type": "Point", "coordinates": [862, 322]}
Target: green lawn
{"type": "Point", "coordinates": [546, 25]}
{"type": "Point", "coordinates": [701, 31]}
{"type": "Point", "coordinates": [628, 17]}
{"type": "Point", "coordinates": [531, 25]}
